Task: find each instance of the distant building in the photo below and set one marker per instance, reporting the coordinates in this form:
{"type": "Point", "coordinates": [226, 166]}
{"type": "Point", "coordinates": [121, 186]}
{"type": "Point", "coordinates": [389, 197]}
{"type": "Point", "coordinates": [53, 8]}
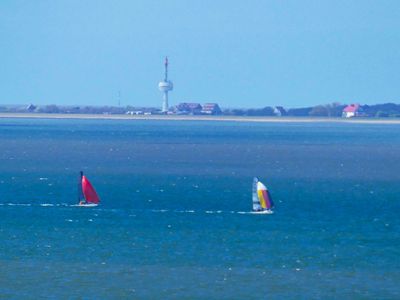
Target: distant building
{"type": "Point", "coordinates": [31, 108]}
{"type": "Point", "coordinates": [211, 109]}
{"type": "Point", "coordinates": [134, 112]}
{"type": "Point", "coordinates": [279, 111]}
{"type": "Point", "coordinates": [352, 110]}
{"type": "Point", "coordinates": [188, 108]}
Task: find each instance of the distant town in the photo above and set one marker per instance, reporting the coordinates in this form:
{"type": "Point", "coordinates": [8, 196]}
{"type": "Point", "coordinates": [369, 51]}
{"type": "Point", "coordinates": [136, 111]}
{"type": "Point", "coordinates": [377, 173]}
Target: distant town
{"type": "Point", "coordinates": [354, 110]}
{"type": "Point", "coordinates": [387, 110]}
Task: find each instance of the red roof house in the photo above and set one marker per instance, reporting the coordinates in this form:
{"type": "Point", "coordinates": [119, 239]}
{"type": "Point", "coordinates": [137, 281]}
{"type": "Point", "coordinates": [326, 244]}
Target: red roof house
{"type": "Point", "coordinates": [352, 110]}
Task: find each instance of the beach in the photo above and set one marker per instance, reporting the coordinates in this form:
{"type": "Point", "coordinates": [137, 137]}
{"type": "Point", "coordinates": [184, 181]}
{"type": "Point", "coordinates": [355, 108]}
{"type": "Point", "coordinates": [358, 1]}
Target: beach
{"type": "Point", "coordinates": [202, 118]}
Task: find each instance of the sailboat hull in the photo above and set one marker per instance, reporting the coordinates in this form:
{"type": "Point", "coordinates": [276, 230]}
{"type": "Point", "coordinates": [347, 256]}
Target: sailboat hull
{"type": "Point", "coordinates": [86, 205]}
{"type": "Point", "coordinates": [263, 212]}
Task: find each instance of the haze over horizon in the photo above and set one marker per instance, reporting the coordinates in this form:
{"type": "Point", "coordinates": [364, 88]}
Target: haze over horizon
{"type": "Point", "coordinates": [253, 54]}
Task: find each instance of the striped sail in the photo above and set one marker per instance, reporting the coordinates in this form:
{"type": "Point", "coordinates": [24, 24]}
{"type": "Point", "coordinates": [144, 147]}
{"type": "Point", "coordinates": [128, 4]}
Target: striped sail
{"type": "Point", "coordinates": [261, 197]}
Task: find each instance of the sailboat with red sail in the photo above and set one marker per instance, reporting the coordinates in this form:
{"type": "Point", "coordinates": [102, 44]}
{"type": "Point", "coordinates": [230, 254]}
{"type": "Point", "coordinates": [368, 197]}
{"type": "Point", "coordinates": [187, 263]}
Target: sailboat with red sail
{"type": "Point", "coordinates": [87, 195]}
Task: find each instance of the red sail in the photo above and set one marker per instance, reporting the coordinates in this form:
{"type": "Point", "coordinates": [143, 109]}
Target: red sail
{"type": "Point", "coordinates": [89, 192]}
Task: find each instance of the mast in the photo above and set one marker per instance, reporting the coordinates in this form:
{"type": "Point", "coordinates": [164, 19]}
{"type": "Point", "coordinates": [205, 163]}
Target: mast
{"type": "Point", "coordinates": [80, 192]}
{"type": "Point", "coordinates": [256, 201]}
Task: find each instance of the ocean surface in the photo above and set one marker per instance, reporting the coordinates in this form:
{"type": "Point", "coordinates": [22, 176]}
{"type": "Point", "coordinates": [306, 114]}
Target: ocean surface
{"type": "Point", "coordinates": [175, 222]}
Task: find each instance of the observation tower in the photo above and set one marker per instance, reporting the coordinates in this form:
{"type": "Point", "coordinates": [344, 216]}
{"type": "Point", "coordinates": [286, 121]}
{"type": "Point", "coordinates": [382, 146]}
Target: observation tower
{"type": "Point", "coordinates": [165, 86]}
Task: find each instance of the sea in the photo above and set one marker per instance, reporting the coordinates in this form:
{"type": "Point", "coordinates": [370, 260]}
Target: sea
{"type": "Point", "coordinates": [175, 218]}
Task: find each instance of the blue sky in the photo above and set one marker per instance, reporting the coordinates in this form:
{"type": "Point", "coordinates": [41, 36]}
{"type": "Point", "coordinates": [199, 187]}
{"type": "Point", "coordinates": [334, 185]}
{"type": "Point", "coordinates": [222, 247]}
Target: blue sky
{"type": "Point", "coordinates": [236, 53]}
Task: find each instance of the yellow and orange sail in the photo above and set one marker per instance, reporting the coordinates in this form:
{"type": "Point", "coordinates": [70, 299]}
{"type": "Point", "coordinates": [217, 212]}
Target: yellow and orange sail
{"type": "Point", "coordinates": [261, 197]}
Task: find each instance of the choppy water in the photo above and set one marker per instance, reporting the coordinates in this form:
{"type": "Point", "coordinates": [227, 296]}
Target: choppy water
{"type": "Point", "coordinates": [174, 221]}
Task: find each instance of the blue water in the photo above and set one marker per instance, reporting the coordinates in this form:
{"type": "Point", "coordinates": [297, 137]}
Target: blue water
{"type": "Point", "coordinates": [174, 223]}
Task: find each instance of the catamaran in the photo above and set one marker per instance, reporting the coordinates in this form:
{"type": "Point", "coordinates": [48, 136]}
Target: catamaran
{"type": "Point", "coordinates": [262, 201]}
{"type": "Point", "coordinates": [87, 195]}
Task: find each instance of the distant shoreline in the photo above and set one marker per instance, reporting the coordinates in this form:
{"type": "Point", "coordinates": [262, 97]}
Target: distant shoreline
{"type": "Point", "coordinates": [201, 118]}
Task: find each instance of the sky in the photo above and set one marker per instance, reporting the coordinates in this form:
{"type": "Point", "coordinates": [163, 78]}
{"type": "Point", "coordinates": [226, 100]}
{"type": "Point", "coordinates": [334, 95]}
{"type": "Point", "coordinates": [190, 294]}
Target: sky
{"type": "Point", "coordinates": [236, 53]}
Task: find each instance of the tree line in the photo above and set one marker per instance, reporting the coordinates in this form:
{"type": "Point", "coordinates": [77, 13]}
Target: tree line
{"type": "Point", "coordinates": [328, 110]}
